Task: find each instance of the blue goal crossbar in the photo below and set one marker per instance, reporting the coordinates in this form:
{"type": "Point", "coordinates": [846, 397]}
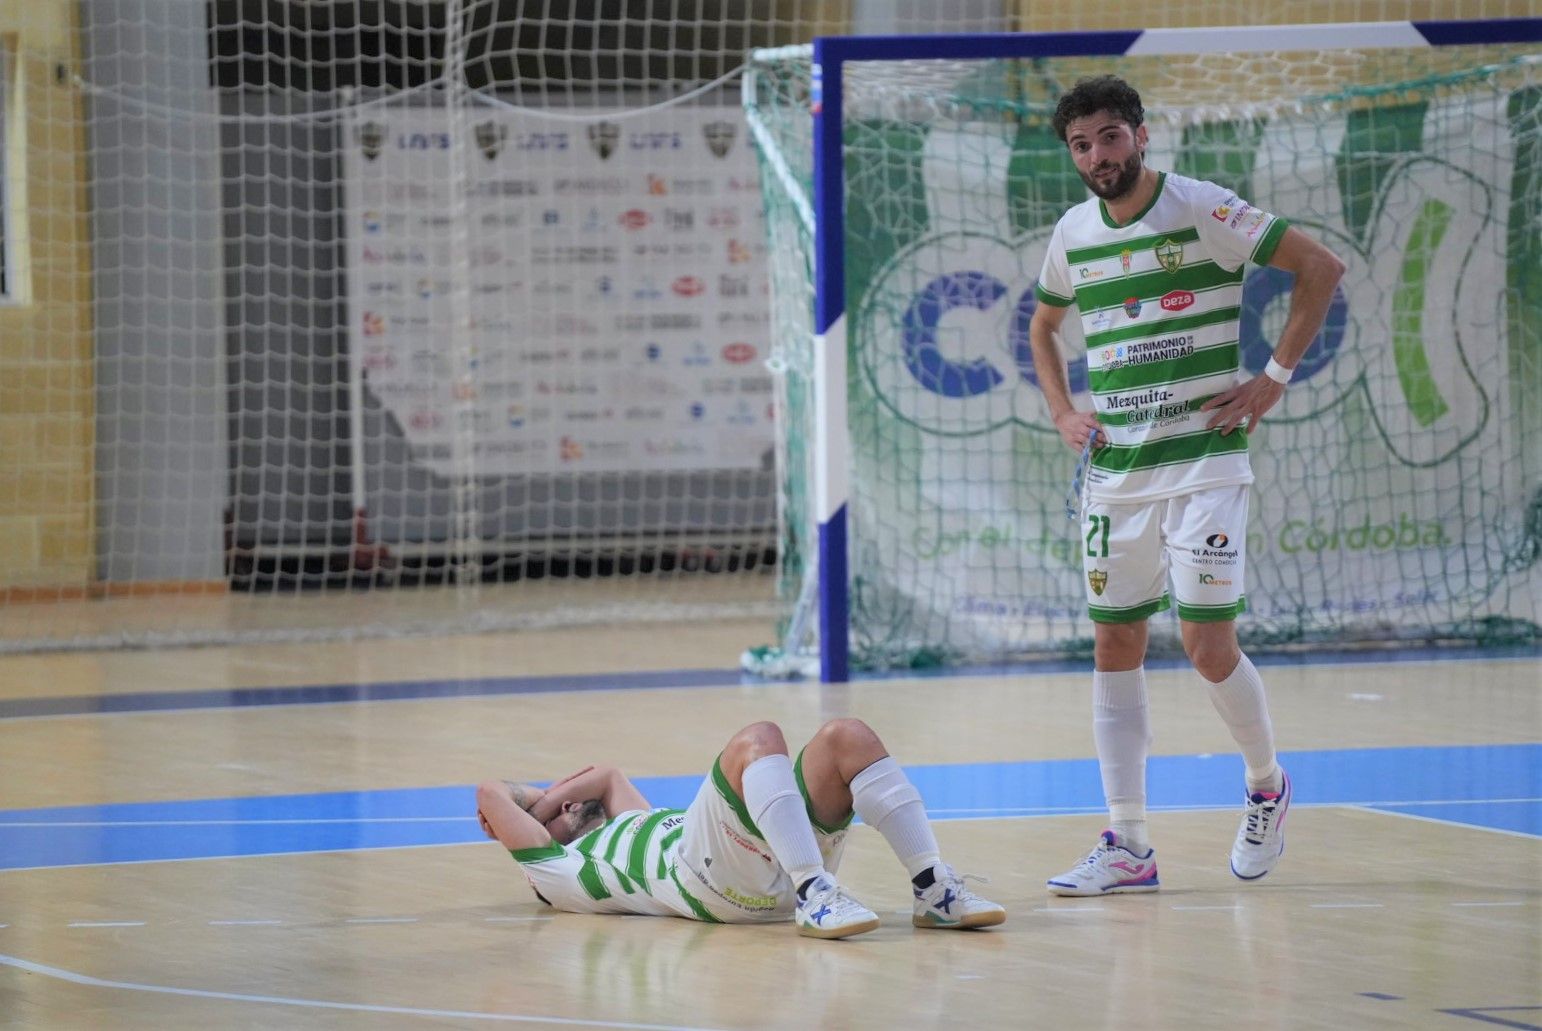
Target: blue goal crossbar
{"type": "Point", "coordinates": [831, 53]}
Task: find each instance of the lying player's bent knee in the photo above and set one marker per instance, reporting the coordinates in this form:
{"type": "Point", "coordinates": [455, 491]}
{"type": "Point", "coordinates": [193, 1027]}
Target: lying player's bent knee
{"type": "Point", "coordinates": [848, 731]}
{"type": "Point", "coordinates": [763, 738]}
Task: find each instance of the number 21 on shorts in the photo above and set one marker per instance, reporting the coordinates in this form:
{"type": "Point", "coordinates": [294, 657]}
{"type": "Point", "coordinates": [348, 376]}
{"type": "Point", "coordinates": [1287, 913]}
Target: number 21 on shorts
{"type": "Point", "coordinates": [1097, 536]}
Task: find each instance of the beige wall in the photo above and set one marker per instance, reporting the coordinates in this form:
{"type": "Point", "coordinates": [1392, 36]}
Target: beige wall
{"type": "Point", "coordinates": [46, 408]}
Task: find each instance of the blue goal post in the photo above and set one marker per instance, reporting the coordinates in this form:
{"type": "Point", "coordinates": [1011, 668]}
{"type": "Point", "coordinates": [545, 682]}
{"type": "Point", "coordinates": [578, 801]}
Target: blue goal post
{"type": "Point", "coordinates": [830, 56]}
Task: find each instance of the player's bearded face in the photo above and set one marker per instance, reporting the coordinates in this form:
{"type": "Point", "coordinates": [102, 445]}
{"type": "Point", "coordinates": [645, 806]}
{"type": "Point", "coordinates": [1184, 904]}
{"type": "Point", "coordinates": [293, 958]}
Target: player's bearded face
{"type": "Point", "coordinates": [1111, 180]}
{"type": "Point", "coordinates": [574, 818]}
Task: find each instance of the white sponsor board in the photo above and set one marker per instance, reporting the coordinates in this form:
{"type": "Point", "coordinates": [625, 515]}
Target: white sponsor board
{"type": "Point", "coordinates": [613, 309]}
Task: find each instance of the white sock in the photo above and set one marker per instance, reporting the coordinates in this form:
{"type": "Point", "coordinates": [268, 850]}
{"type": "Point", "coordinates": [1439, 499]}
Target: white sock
{"type": "Point", "coordinates": [886, 800]}
{"type": "Point", "coordinates": [1240, 701]}
{"type": "Point", "coordinates": [1132, 835]}
{"type": "Point", "coordinates": [772, 798]}
{"type": "Point", "coordinates": [1121, 728]}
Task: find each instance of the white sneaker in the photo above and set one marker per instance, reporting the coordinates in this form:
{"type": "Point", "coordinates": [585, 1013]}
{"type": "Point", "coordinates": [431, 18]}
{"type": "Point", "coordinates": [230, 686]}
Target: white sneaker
{"type": "Point", "coordinates": [1109, 869]}
{"type": "Point", "coordinates": [1261, 838]}
{"type": "Point", "coordinates": [950, 903]}
{"type": "Point", "coordinates": [826, 911]}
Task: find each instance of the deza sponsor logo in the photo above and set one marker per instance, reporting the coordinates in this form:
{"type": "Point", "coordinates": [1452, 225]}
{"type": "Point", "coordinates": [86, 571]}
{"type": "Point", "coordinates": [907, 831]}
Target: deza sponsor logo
{"type": "Point", "coordinates": [1177, 300]}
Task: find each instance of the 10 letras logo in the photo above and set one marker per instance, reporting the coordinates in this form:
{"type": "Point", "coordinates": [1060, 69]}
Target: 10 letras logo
{"type": "Point", "coordinates": [941, 334]}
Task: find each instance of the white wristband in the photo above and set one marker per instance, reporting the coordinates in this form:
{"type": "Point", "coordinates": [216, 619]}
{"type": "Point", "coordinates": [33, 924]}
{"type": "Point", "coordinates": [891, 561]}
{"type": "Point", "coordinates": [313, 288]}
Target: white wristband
{"type": "Point", "coordinates": [1277, 372]}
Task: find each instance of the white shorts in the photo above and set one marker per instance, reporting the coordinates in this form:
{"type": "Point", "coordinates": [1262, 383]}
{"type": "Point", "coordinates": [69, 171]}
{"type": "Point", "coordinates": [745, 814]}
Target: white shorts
{"type": "Point", "coordinates": [724, 864]}
{"type": "Point", "coordinates": [1198, 540]}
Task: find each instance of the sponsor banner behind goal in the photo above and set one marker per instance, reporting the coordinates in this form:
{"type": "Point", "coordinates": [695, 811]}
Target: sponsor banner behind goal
{"type": "Point", "coordinates": [618, 314]}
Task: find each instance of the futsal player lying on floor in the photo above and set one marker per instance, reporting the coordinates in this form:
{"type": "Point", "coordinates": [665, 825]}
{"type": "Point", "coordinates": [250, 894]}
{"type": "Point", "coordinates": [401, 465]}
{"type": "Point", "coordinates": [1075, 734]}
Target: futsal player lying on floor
{"type": "Point", "coordinates": [760, 843]}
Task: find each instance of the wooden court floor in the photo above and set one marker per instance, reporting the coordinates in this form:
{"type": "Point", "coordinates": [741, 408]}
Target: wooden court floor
{"type": "Point", "coordinates": [282, 836]}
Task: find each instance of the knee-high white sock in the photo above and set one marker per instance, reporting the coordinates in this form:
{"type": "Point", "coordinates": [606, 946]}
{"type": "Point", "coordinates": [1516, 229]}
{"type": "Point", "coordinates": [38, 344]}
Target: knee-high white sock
{"type": "Point", "coordinates": [772, 798]}
{"type": "Point", "coordinates": [1121, 729]}
{"type": "Point", "coordinates": [886, 800]}
{"type": "Point", "coordinates": [1240, 701]}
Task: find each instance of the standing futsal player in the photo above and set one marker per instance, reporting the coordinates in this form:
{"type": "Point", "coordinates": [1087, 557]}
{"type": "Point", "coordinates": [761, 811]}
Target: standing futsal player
{"type": "Point", "coordinates": [1154, 264]}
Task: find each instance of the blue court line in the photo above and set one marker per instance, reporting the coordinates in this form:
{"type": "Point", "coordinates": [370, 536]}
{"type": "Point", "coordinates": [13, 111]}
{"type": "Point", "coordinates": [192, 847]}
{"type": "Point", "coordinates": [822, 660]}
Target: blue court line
{"type": "Point", "coordinates": [1494, 786]}
{"type": "Point", "coordinates": [328, 694]}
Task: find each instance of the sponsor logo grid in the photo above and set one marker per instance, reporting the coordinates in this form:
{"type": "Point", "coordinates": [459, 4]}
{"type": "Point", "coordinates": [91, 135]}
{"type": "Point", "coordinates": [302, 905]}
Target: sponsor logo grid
{"type": "Point", "coordinates": [617, 278]}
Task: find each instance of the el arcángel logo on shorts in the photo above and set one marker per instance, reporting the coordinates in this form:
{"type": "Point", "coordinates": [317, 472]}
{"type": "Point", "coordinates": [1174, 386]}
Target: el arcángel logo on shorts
{"type": "Point", "coordinates": [1215, 548]}
{"type": "Point", "coordinates": [1097, 579]}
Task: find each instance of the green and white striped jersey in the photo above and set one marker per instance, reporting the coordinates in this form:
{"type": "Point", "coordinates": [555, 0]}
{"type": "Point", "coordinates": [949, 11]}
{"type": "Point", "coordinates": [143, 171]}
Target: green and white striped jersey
{"type": "Point", "coordinates": [624, 866]}
{"type": "Point", "coordinates": [1160, 301]}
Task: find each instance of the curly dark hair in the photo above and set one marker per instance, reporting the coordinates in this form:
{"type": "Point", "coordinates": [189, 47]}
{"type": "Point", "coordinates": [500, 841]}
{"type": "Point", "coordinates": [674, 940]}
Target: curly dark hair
{"type": "Point", "coordinates": [1102, 93]}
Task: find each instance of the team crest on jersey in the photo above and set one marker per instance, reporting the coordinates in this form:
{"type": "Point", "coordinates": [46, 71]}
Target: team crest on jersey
{"type": "Point", "coordinates": [1170, 255]}
{"type": "Point", "coordinates": [1097, 579]}
{"type": "Point", "coordinates": [1125, 257]}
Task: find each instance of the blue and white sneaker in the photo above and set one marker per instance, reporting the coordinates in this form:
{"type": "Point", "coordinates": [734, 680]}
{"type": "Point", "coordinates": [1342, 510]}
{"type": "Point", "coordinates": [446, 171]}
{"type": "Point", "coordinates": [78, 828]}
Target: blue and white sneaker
{"type": "Point", "coordinates": [1261, 838]}
{"type": "Point", "coordinates": [1109, 869]}
{"type": "Point", "coordinates": [949, 903]}
{"type": "Point", "coordinates": [826, 911]}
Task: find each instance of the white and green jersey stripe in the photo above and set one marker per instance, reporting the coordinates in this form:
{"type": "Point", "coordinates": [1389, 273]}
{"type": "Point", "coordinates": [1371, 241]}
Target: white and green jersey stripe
{"type": "Point", "coordinates": [1160, 301]}
{"type": "Point", "coordinates": [621, 867]}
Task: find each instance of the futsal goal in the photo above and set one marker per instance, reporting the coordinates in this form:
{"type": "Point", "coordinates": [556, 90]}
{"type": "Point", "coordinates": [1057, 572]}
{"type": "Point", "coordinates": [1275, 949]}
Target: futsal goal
{"type": "Point", "coordinates": [910, 187]}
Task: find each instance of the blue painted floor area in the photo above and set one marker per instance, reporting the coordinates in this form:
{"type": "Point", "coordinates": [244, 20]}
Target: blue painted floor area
{"type": "Point", "coordinates": [1497, 787]}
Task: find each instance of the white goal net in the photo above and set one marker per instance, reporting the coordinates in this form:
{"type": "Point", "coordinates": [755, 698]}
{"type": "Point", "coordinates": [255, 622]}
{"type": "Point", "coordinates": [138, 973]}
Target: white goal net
{"type": "Point", "coordinates": [392, 317]}
{"type": "Point", "coordinates": [1397, 497]}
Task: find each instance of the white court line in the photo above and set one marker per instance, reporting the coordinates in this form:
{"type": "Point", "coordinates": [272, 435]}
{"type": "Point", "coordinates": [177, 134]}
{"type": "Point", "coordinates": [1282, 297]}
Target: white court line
{"type": "Point", "coordinates": [357, 1007]}
{"type": "Point", "coordinates": [235, 823]}
{"type": "Point", "coordinates": [978, 812]}
{"type": "Point", "coordinates": [1458, 801]}
{"type": "Point", "coordinates": [1030, 811]}
{"type": "Point", "coordinates": [1362, 807]}
{"type": "Point", "coordinates": [245, 855]}
{"type": "Point", "coordinates": [1454, 904]}
{"type": "Point", "coordinates": [107, 923]}
{"type": "Point", "coordinates": [245, 923]}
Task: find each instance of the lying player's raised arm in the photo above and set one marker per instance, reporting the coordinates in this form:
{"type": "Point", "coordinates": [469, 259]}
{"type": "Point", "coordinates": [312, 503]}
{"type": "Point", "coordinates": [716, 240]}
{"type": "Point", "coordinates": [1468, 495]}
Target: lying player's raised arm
{"type": "Point", "coordinates": [606, 783]}
{"type": "Point", "coordinates": [503, 809]}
